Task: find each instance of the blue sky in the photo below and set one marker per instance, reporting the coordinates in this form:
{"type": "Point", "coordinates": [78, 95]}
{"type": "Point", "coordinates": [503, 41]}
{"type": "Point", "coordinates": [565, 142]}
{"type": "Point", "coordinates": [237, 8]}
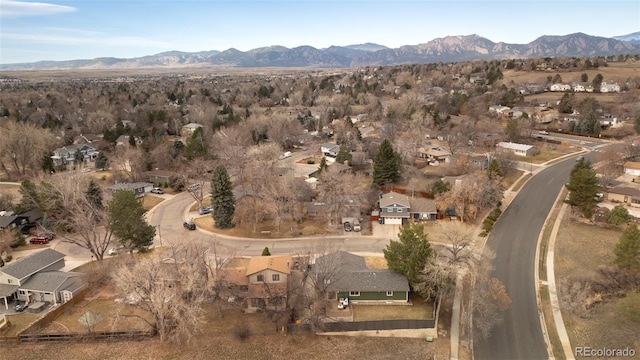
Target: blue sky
{"type": "Point", "coordinates": [85, 29]}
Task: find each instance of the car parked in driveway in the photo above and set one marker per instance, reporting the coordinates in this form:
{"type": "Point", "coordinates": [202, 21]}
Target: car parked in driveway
{"type": "Point", "coordinates": [347, 226]}
{"type": "Point", "coordinates": [21, 308]}
{"type": "Point", "coordinates": [205, 210]}
{"type": "Point", "coordinates": [189, 225]}
{"type": "Point", "coordinates": [40, 239]}
{"type": "Point", "coordinates": [157, 190]}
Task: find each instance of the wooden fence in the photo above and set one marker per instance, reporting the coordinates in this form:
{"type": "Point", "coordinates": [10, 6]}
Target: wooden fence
{"type": "Point", "coordinates": [93, 336]}
{"type": "Point", "coordinates": [51, 315]}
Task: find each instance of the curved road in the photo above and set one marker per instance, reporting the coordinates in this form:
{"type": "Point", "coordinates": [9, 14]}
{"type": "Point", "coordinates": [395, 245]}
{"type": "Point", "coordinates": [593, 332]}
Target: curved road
{"type": "Point", "coordinates": [170, 214]}
{"type": "Point", "coordinates": [514, 239]}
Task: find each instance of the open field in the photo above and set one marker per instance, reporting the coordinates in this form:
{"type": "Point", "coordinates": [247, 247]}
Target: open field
{"type": "Point", "coordinates": [580, 250]}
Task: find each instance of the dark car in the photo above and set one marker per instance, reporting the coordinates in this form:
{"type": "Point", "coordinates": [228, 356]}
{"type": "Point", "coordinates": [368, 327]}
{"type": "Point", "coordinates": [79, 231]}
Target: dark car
{"type": "Point", "coordinates": [40, 239]}
{"type": "Point", "coordinates": [347, 226]}
{"type": "Point", "coordinates": [189, 225]}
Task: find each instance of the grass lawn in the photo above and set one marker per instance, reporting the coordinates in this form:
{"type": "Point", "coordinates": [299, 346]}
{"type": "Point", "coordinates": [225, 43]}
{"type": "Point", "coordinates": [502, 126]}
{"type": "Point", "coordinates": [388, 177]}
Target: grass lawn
{"type": "Point", "coordinates": [266, 229]}
{"type": "Point", "coordinates": [392, 312]}
{"type": "Point", "coordinates": [549, 152]}
{"type": "Point", "coordinates": [580, 250]}
{"type": "Point", "coordinates": [19, 322]}
{"type": "Point", "coordinates": [149, 201]}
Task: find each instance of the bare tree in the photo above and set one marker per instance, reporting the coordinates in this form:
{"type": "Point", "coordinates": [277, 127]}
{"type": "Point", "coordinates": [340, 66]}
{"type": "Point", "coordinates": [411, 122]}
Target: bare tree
{"type": "Point", "coordinates": [610, 164]}
{"type": "Point", "coordinates": [22, 147]}
{"type": "Point", "coordinates": [170, 287]}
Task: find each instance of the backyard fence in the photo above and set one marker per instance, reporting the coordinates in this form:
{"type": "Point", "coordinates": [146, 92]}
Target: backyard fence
{"type": "Point", "coordinates": [45, 320]}
{"type": "Point", "coordinates": [93, 336]}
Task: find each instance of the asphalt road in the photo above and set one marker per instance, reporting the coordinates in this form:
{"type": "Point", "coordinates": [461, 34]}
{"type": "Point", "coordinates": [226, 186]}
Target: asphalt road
{"type": "Point", "coordinates": [514, 240]}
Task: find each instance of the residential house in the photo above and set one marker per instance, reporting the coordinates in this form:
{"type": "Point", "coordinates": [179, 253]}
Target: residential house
{"type": "Point", "coordinates": [624, 194]}
{"type": "Point", "coordinates": [455, 181]}
{"type": "Point", "coordinates": [499, 109]}
{"type": "Point", "coordinates": [582, 88]}
{"type": "Point", "coordinates": [518, 149]}
{"type": "Point", "coordinates": [434, 154]}
{"type": "Point", "coordinates": [330, 151]}
{"type": "Point", "coordinates": [268, 278]}
{"type": "Point", "coordinates": [632, 168]}
{"type": "Point", "coordinates": [13, 221]}
{"type": "Point", "coordinates": [138, 188]}
{"type": "Point", "coordinates": [608, 88]}
{"type": "Point", "coordinates": [480, 161]}
{"type": "Point", "coordinates": [485, 140]}
{"type": "Point", "coordinates": [160, 177]}
{"type": "Point", "coordinates": [189, 129]}
{"type": "Point", "coordinates": [342, 275]}
{"type": "Point", "coordinates": [560, 87]}
{"type": "Point", "coordinates": [67, 154]}
{"type": "Point", "coordinates": [37, 278]}
{"type": "Point", "coordinates": [313, 208]}
{"type": "Point", "coordinates": [609, 120]}
{"type": "Point", "coordinates": [422, 209]}
{"type": "Point", "coordinates": [123, 140]}
{"type": "Point", "coordinates": [394, 208]}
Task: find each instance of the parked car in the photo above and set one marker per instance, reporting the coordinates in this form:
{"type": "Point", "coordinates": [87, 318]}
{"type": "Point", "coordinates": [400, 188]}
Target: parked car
{"type": "Point", "coordinates": [112, 252]}
{"type": "Point", "coordinates": [157, 190]}
{"type": "Point", "coordinates": [580, 158]}
{"type": "Point", "coordinates": [347, 226]}
{"type": "Point", "coordinates": [357, 227]}
{"type": "Point", "coordinates": [543, 132]}
{"type": "Point", "coordinates": [21, 308]}
{"type": "Point", "coordinates": [205, 210]}
{"type": "Point", "coordinates": [189, 225]}
{"type": "Point", "coordinates": [40, 239]}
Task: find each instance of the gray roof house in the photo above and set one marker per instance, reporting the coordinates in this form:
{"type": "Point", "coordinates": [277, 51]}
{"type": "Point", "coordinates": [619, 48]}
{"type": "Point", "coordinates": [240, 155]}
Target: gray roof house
{"type": "Point", "coordinates": [394, 207]}
{"type": "Point", "coordinates": [345, 275]}
{"type": "Point", "coordinates": [37, 277]}
{"type": "Point", "coordinates": [138, 188]}
{"type": "Point", "coordinates": [67, 154]}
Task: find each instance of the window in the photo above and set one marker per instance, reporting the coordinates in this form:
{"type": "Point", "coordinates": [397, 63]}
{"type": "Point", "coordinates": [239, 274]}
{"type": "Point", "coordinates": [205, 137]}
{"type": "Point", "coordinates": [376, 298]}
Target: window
{"type": "Point", "coordinates": [275, 277]}
{"type": "Point", "coordinates": [260, 277]}
{"type": "Point", "coordinates": [327, 281]}
{"type": "Point", "coordinates": [257, 303]}
{"type": "Point", "coordinates": [22, 292]}
{"type": "Point", "coordinates": [9, 281]}
{"type": "Point", "coordinates": [354, 293]}
{"type": "Point", "coordinates": [389, 293]}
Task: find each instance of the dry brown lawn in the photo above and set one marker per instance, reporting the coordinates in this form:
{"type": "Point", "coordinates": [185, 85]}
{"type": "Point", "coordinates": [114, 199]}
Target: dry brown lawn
{"type": "Point", "coordinates": [550, 152]}
{"type": "Point", "coordinates": [149, 201]}
{"type": "Point", "coordinates": [511, 178]}
{"type": "Point", "coordinates": [392, 312]}
{"type": "Point", "coordinates": [376, 262]}
{"type": "Point", "coordinates": [267, 229]}
{"type": "Point", "coordinates": [19, 322]}
{"type": "Point", "coordinates": [11, 190]}
{"type": "Point", "coordinates": [580, 250]}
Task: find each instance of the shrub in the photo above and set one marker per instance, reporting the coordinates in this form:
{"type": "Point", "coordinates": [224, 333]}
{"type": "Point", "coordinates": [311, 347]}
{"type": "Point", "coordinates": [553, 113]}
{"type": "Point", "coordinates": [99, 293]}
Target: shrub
{"type": "Point", "coordinates": [242, 332]}
{"type": "Point", "coordinates": [487, 224]}
{"type": "Point", "coordinates": [8, 259]}
{"type": "Point", "coordinates": [495, 214]}
{"type": "Point", "coordinates": [311, 161]}
{"type": "Point", "coordinates": [19, 240]}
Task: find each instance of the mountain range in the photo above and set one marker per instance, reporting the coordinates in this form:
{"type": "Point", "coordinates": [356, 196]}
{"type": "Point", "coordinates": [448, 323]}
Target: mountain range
{"type": "Point", "coordinates": [446, 49]}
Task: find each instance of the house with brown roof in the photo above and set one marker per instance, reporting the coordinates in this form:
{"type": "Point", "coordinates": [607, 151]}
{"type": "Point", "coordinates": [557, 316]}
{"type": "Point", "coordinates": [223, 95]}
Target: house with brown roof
{"type": "Point", "coordinates": [268, 278]}
{"type": "Point", "coordinates": [632, 168]}
{"type": "Point", "coordinates": [624, 194]}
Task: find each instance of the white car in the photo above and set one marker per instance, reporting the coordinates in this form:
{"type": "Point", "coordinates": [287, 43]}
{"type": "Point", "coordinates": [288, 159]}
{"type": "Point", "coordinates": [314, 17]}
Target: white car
{"type": "Point", "coordinates": [543, 132]}
{"type": "Point", "coordinates": [112, 252]}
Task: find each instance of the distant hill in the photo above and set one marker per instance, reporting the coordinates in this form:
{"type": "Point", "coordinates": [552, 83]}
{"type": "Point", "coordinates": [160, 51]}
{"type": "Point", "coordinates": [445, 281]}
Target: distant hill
{"type": "Point", "coordinates": [447, 49]}
{"type": "Point", "coordinates": [633, 38]}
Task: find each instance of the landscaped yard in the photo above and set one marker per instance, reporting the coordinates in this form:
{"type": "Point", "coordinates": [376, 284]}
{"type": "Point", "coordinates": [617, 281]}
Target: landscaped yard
{"type": "Point", "coordinates": [392, 312]}
{"type": "Point", "coordinates": [580, 250]}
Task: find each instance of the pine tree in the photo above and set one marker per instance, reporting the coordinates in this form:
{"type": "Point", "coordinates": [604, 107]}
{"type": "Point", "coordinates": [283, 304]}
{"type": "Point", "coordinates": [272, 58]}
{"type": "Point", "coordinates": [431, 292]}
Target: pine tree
{"type": "Point", "coordinates": [222, 198]}
{"type": "Point", "coordinates": [323, 165]}
{"type": "Point", "coordinates": [266, 252]}
{"type": "Point", "coordinates": [386, 166]}
{"type": "Point", "coordinates": [627, 249]}
{"type": "Point", "coordinates": [94, 195]}
{"type": "Point", "coordinates": [493, 170]}
{"type": "Point", "coordinates": [618, 215]}
{"type": "Point", "coordinates": [47, 164]}
{"type": "Point", "coordinates": [195, 145]}
{"type": "Point", "coordinates": [343, 155]}
{"type": "Point", "coordinates": [410, 254]}
{"type": "Point", "coordinates": [101, 161]}
{"type": "Point", "coordinates": [583, 188]}
{"type": "Point", "coordinates": [127, 223]}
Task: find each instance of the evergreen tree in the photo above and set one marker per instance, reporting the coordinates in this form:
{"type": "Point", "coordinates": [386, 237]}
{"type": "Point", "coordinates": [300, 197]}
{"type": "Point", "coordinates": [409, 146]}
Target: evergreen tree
{"type": "Point", "coordinates": [195, 145]}
{"type": "Point", "coordinates": [132, 141]}
{"type": "Point", "coordinates": [386, 166]}
{"type": "Point", "coordinates": [101, 161]}
{"type": "Point", "coordinates": [636, 125]}
{"type": "Point", "coordinates": [493, 170]}
{"type": "Point", "coordinates": [627, 249]}
{"type": "Point", "coordinates": [410, 254]}
{"type": "Point", "coordinates": [94, 195]}
{"type": "Point", "coordinates": [222, 198]}
{"type": "Point", "coordinates": [323, 165]}
{"type": "Point", "coordinates": [583, 188]}
{"type": "Point", "coordinates": [127, 223]}
{"type": "Point", "coordinates": [343, 155]}
{"type": "Point", "coordinates": [47, 164]}
{"type": "Point", "coordinates": [266, 252]}
{"type": "Point", "coordinates": [618, 215]}
{"type": "Point", "coordinates": [440, 187]}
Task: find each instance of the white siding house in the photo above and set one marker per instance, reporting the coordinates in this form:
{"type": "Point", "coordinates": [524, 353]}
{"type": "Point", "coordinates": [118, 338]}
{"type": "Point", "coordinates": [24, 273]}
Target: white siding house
{"type": "Point", "coordinates": [518, 149]}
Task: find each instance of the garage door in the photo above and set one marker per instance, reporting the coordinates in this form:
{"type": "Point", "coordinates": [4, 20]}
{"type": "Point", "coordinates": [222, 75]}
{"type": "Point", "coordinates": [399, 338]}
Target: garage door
{"type": "Point", "coordinates": [393, 221]}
